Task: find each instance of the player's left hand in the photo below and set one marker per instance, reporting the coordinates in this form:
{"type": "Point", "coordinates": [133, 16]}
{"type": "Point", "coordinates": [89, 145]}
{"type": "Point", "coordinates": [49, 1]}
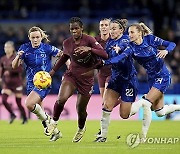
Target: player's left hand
{"type": "Point", "coordinates": [82, 49]}
{"type": "Point", "coordinates": [162, 53]}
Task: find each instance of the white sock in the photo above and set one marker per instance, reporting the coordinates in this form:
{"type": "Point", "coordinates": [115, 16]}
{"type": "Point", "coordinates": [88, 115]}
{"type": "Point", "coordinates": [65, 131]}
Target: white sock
{"type": "Point", "coordinates": [105, 120]}
{"type": "Point", "coordinates": [147, 114]}
{"type": "Point", "coordinates": [167, 109]}
{"type": "Point", "coordinates": [56, 131]}
{"type": "Point", "coordinates": [38, 111]}
{"type": "Point", "coordinates": [147, 117]}
{"type": "Point", "coordinates": [136, 106]}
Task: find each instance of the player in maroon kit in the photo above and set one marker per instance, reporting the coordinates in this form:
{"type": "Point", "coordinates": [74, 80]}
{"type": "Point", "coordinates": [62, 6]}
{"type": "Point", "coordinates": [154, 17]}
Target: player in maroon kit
{"type": "Point", "coordinates": [12, 81]}
{"type": "Point", "coordinates": [83, 51]}
{"type": "Point", "coordinates": [104, 72]}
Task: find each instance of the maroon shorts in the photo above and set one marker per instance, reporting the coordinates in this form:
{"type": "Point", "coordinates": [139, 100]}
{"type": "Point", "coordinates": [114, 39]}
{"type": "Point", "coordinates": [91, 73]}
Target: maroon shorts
{"type": "Point", "coordinates": [102, 79]}
{"type": "Point", "coordinates": [14, 84]}
{"type": "Point", "coordinates": [84, 84]}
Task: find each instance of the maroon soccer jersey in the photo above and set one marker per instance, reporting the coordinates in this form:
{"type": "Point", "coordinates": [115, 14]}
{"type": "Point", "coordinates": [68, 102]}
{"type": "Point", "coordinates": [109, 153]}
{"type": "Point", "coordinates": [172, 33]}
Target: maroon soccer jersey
{"type": "Point", "coordinates": [12, 78]}
{"type": "Point", "coordinates": [81, 74]}
{"type": "Point", "coordinates": [97, 50]}
{"type": "Point", "coordinates": [104, 71]}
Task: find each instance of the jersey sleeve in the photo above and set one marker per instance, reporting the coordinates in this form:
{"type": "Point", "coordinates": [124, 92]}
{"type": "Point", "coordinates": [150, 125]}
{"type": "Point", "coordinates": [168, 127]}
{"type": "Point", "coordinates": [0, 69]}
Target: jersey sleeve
{"type": "Point", "coordinates": [123, 44]}
{"type": "Point", "coordinates": [53, 50]}
{"type": "Point", "coordinates": [156, 41]}
{"type": "Point", "coordinates": [65, 48]}
{"type": "Point", "coordinates": [114, 60]}
{"type": "Point", "coordinates": [97, 49]}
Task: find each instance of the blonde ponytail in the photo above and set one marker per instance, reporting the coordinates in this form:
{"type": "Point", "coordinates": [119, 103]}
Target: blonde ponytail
{"type": "Point", "coordinates": [145, 29]}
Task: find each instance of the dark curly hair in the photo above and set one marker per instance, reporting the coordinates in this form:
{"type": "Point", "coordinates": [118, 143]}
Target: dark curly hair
{"type": "Point", "coordinates": [76, 19]}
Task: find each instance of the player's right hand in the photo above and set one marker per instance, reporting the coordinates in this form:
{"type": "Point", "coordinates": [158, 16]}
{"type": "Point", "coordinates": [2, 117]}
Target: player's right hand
{"type": "Point", "coordinates": [20, 53]}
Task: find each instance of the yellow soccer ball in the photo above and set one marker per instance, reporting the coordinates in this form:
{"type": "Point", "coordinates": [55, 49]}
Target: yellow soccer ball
{"type": "Point", "coordinates": [42, 80]}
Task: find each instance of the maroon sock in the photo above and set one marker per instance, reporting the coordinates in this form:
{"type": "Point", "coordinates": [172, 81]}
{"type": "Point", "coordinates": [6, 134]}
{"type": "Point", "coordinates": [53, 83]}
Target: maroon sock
{"type": "Point", "coordinates": [21, 108]}
{"type": "Point", "coordinates": [6, 104]}
{"type": "Point", "coordinates": [58, 108]}
{"type": "Point", "coordinates": [82, 119]}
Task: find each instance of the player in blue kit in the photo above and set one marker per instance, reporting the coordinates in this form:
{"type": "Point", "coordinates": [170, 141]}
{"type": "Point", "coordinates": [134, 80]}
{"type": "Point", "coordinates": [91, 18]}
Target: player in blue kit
{"type": "Point", "coordinates": [37, 57]}
{"type": "Point", "coordinates": [123, 81]}
{"type": "Point", "coordinates": [144, 48]}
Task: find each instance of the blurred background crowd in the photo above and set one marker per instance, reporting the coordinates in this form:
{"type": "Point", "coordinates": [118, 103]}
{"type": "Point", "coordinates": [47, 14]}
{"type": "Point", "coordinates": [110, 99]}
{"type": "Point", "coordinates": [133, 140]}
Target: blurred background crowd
{"type": "Point", "coordinates": [162, 16]}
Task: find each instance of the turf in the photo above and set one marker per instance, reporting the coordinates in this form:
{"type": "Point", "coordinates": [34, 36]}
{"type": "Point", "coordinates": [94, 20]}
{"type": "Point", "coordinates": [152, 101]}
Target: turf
{"type": "Point", "coordinates": [29, 138]}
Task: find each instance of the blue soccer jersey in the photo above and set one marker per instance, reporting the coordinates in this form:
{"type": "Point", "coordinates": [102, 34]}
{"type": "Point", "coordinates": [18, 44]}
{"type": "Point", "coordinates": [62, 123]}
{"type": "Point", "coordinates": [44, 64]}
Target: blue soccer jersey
{"type": "Point", "coordinates": [37, 59]}
{"type": "Point", "coordinates": [145, 54]}
{"type": "Point", "coordinates": [123, 79]}
{"type": "Point", "coordinates": [124, 69]}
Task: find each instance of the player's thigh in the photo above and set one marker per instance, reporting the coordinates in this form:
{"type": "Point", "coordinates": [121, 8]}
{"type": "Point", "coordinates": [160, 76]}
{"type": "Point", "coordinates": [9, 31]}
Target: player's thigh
{"type": "Point", "coordinates": [101, 92]}
{"type": "Point", "coordinates": [66, 90]}
{"type": "Point", "coordinates": [110, 98]}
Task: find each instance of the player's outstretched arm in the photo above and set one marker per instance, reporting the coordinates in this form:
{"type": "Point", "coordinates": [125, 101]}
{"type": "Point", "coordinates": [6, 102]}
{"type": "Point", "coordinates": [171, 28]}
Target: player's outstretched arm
{"type": "Point", "coordinates": [17, 60]}
{"type": "Point", "coordinates": [63, 59]}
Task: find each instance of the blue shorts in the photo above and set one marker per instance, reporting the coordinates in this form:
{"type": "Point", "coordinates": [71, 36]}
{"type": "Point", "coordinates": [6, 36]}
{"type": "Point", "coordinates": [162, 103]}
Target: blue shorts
{"type": "Point", "coordinates": [41, 92]}
{"type": "Point", "coordinates": [161, 81]}
{"type": "Point", "coordinates": [127, 89]}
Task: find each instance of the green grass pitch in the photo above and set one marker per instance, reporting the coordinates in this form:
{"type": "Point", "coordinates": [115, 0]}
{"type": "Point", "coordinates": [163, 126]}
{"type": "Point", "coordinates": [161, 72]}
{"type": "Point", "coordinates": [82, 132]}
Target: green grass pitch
{"type": "Point", "coordinates": [29, 138]}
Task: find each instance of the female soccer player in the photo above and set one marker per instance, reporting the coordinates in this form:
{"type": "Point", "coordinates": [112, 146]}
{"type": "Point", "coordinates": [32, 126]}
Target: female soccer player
{"type": "Point", "coordinates": [123, 81]}
{"type": "Point", "coordinates": [82, 50]}
{"type": "Point", "coordinates": [144, 48]}
{"type": "Point", "coordinates": [12, 81]}
{"type": "Point", "coordinates": [37, 57]}
{"type": "Point", "coordinates": [104, 72]}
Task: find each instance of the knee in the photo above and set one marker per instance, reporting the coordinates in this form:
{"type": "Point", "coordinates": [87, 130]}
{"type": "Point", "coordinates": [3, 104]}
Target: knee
{"type": "Point", "coordinates": [29, 105]}
{"type": "Point", "coordinates": [108, 106]}
{"type": "Point", "coordinates": [124, 115]}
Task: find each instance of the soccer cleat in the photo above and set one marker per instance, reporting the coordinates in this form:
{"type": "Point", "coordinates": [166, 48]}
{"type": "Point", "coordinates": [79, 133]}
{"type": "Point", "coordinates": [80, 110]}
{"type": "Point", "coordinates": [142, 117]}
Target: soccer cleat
{"type": "Point", "coordinates": [49, 126]}
{"type": "Point", "coordinates": [55, 137]}
{"type": "Point", "coordinates": [98, 134]}
{"type": "Point", "coordinates": [79, 134]}
{"type": "Point", "coordinates": [25, 121]}
{"type": "Point", "coordinates": [13, 117]}
{"type": "Point", "coordinates": [100, 139]}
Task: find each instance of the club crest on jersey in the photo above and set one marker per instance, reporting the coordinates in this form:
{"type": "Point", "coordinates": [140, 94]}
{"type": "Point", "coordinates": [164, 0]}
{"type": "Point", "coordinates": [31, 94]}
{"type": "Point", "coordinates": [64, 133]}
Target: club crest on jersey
{"type": "Point", "coordinates": [43, 55]}
{"type": "Point", "coordinates": [96, 43]}
{"type": "Point", "coordinates": [149, 49]}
